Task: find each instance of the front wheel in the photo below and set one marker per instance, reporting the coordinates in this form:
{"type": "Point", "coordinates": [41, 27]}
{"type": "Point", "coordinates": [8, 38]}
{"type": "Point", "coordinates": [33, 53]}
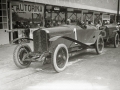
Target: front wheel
{"type": "Point", "coordinates": [60, 57]}
{"type": "Point", "coordinates": [20, 54]}
{"type": "Point", "coordinates": [99, 44]}
{"type": "Point", "coordinates": [116, 40]}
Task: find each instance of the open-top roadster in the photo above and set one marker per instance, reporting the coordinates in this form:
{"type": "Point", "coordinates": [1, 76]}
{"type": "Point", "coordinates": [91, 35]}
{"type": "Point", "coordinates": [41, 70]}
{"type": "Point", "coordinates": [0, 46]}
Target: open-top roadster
{"type": "Point", "coordinates": [56, 43]}
{"type": "Point", "coordinates": [112, 34]}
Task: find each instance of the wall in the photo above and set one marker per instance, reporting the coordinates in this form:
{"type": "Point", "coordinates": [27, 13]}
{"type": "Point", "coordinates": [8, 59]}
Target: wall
{"type": "Point", "coordinates": [4, 37]}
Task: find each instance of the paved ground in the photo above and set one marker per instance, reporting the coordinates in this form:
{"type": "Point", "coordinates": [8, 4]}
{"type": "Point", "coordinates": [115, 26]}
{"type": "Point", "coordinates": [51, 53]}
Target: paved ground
{"type": "Point", "coordinates": [85, 71]}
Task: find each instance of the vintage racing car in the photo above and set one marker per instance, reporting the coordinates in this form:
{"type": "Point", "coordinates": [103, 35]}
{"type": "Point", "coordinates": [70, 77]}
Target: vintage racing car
{"type": "Point", "coordinates": [56, 43]}
{"type": "Point", "coordinates": [112, 34]}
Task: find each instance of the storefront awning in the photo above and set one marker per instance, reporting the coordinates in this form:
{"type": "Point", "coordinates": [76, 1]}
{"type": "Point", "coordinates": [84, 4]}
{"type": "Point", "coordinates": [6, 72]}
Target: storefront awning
{"type": "Point", "coordinates": [77, 4]}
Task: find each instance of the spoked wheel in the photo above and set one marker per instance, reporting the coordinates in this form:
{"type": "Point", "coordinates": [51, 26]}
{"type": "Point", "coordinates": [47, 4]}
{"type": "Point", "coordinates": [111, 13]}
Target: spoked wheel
{"type": "Point", "coordinates": [99, 45]}
{"type": "Point", "coordinates": [20, 54]}
{"type": "Point", "coordinates": [116, 40]}
{"type": "Point", "coordinates": [60, 57]}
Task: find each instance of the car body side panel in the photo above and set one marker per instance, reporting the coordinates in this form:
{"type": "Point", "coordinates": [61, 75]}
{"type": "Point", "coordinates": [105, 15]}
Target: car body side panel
{"type": "Point", "coordinates": [89, 35]}
{"type": "Point", "coordinates": [61, 40]}
{"type": "Point", "coordinates": [110, 30]}
{"type": "Point", "coordinates": [86, 36]}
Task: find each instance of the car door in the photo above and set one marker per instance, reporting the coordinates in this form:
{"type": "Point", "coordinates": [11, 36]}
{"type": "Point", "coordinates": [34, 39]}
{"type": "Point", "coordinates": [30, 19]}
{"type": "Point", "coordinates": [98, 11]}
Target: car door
{"type": "Point", "coordinates": [87, 36]}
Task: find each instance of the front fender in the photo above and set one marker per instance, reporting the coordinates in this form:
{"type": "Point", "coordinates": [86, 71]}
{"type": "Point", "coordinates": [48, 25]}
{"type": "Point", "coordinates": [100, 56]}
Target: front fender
{"type": "Point", "coordinates": [17, 39]}
{"type": "Point", "coordinates": [54, 38]}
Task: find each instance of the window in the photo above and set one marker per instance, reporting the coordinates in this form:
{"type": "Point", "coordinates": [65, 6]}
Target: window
{"type": "Point", "coordinates": [26, 13]}
{"type": "Point", "coordinates": [55, 16]}
{"type": "Point", "coordinates": [3, 14]}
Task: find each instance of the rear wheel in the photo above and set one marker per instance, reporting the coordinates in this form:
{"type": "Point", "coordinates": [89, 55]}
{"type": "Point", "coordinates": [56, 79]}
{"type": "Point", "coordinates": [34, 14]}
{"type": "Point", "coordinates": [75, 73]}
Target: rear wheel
{"type": "Point", "coordinates": [99, 45]}
{"type": "Point", "coordinates": [116, 40]}
{"type": "Point", "coordinates": [60, 57]}
{"type": "Point", "coordinates": [20, 54]}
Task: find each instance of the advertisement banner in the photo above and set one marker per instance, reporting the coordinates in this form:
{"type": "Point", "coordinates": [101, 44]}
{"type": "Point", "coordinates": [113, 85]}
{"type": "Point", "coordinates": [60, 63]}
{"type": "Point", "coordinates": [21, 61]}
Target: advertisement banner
{"type": "Point", "coordinates": [27, 7]}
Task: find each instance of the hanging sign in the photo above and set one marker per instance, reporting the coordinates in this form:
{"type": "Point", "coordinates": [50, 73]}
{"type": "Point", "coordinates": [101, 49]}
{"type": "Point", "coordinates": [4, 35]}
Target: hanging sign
{"type": "Point", "coordinates": [27, 7]}
{"type": "Point", "coordinates": [56, 8]}
{"type": "Point", "coordinates": [105, 17]}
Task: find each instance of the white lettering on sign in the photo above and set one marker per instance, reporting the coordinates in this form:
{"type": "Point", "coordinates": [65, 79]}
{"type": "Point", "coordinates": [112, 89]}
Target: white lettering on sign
{"type": "Point", "coordinates": [105, 17]}
{"type": "Point", "coordinates": [56, 8]}
{"type": "Point", "coordinates": [27, 7]}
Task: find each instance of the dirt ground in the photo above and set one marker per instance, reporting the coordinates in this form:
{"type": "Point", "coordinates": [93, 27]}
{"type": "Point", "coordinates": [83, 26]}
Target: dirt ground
{"type": "Point", "coordinates": [85, 71]}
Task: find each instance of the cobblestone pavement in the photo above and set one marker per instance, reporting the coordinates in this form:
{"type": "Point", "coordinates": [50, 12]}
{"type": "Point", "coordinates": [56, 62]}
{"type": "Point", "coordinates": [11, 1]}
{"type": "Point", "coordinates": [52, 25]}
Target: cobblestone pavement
{"type": "Point", "coordinates": [85, 71]}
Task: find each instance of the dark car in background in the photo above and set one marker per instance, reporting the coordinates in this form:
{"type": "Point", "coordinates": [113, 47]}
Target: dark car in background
{"type": "Point", "coordinates": [112, 34]}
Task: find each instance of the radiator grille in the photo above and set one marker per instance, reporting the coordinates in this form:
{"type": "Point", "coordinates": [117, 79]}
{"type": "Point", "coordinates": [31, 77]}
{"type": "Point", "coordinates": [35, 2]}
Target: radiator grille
{"type": "Point", "coordinates": [44, 41]}
{"type": "Point", "coordinates": [40, 41]}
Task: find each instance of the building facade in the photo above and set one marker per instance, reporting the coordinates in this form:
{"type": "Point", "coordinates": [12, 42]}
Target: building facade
{"type": "Point", "coordinates": [47, 13]}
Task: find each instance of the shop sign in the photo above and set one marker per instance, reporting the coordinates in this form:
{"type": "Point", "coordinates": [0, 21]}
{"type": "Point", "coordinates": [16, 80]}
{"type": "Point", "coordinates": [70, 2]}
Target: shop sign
{"type": "Point", "coordinates": [70, 9]}
{"type": "Point", "coordinates": [56, 8]}
{"type": "Point", "coordinates": [27, 7]}
{"type": "Point", "coordinates": [105, 17]}
{"type": "Point", "coordinates": [48, 7]}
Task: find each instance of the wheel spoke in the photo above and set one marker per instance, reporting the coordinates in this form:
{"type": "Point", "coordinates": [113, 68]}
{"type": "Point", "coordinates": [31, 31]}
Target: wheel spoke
{"type": "Point", "coordinates": [100, 44]}
{"type": "Point", "coordinates": [116, 40]}
{"type": "Point", "coordinates": [22, 54]}
{"type": "Point", "coordinates": [61, 57]}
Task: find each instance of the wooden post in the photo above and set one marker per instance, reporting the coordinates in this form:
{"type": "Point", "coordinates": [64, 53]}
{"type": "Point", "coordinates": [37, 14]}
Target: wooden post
{"type": "Point", "coordinates": [44, 14]}
{"type": "Point", "coordinates": [93, 17]}
{"type": "Point", "coordinates": [10, 21]}
{"type": "Point", "coordinates": [66, 16]}
{"type": "Point", "coordinates": [102, 17]}
{"type": "Point", "coordinates": [82, 15]}
{"type": "Point", "coordinates": [115, 19]}
{"type": "Point", "coordinates": [76, 16]}
{"type": "Point", "coordinates": [118, 12]}
{"type": "Point", "coordinates": [32, 19]}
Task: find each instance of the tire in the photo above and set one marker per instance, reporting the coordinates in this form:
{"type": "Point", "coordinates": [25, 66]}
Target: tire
{"type": "Point", "coordinates": [60, 57]}
{"type": "Point", "coordinates": [20, 52]}
{"type": "Point", "coordinates": [99, 44]}
{"type": "Point", "coordinates": [116, 40]}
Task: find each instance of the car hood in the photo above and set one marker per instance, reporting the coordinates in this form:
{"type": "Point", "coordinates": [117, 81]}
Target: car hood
{"type": "Point", "coordinates": [61, 30]}
{"type": "Point", "coordinates": [111, 26]}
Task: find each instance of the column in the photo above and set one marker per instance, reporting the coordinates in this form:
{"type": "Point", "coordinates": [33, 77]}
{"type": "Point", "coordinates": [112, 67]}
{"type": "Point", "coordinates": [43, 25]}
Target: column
{"type": "Point", "coordinates": [10, 19]}
{"type": "Point", "coordinates": [93, 17]}
{"type": "Point", "coordinates": [82, 15]}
